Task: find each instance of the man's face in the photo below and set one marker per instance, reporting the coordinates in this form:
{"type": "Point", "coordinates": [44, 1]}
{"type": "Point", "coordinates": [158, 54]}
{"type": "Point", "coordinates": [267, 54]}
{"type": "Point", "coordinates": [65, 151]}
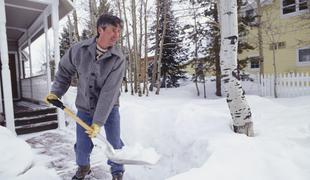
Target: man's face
{"type": "Point", "coordinates": [109, 35]}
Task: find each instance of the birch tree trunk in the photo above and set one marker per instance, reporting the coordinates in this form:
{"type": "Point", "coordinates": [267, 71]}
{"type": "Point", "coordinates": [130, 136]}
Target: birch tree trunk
{"type": "Point", "coordinates": [140, 49]}
{"type": "Point", "coordinates": [70, 29]}
{"type": "Point", "coordinates": [161, 49]}
{"type": "Point", "coordinates": [75, 23]}
{"type": "Point", "coordinates": [218, 73]}
{"type": "Point", "coordinates": [238, 106]}
{"type": "Point", "coordinates": [135, 48]}
{"type": "Point", "coordinates": [119, 7]}
{"type": "Point", "coordinates": [146, 62]}
{"type": "Point", "coordinates": [274, 65]}
{"type": "Point", "coordinates": [92, 15]}
{"type": "Point", "coordinates": [260, 39]}
{"type": "Point", "coordinates": [141, 30]}
{"type": "Point", "coordinates": [196, 54]}
{"type": "Point", "coordinates": [154, 70]}
{"type": "Point", "coordinates": [134, 44]}
{"type": "Point", "coordinates": [128, 44]}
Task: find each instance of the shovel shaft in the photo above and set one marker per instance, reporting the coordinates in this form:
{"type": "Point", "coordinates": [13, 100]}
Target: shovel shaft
{"type": "Point", "coordinates": [88, 128]}
{"type": "Point", "coordinates": [77, 119]}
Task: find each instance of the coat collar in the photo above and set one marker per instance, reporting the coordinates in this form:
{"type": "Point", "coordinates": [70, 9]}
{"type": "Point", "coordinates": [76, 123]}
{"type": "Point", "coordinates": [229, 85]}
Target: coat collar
{"type": "Point", "coordinates": [91, 46]}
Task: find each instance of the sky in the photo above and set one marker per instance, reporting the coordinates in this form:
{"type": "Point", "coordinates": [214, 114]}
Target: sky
{"type": "Point", "coordinates": [191, 134]}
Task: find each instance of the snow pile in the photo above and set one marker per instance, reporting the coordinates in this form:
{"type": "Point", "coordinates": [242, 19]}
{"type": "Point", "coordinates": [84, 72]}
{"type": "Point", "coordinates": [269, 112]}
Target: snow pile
{"type": "Point", "coordinates": [16, 162]}
{"type": "Point", "coordinates": [195, 139]}
{"type": "Point", "coordinates": [136, 154]}
{"type": "Point", "coordinates": [193, 136]}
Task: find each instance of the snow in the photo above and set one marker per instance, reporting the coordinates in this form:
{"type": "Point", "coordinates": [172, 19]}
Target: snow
{"type": "Point", "coordinates": [136, 154]}
{"type": "Point", "coordinates": [17, 160]}
{"type": "Point", "coordinates": [193, 136]}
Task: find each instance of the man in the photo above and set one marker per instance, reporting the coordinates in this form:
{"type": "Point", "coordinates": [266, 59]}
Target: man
{"type": "Point", "coordinates": [100, 66]}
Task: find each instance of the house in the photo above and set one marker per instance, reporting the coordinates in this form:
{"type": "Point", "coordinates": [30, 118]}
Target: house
{"type": "Point", "coordinates": [285, 36]}
{"type": "Point", "coordinates": [23, 87]}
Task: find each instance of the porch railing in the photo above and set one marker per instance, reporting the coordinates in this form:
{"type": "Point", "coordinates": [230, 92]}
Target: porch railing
{"type": "Point", "coordinates": [34, 88]}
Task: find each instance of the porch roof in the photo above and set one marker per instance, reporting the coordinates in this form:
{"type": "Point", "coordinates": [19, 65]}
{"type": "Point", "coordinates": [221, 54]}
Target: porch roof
{"type": "Point", "coordinates": [21, 15]}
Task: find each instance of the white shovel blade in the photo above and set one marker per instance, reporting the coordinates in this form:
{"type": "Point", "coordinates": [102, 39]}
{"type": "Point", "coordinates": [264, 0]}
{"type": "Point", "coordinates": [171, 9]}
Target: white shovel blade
{"type": "Point", "coordinates": [135, 155]}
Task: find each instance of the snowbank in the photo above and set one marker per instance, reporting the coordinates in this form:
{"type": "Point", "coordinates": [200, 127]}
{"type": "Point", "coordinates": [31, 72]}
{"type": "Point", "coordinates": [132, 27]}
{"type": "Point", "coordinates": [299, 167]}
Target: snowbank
{"type": "Point", "coordinates": [16, 162]}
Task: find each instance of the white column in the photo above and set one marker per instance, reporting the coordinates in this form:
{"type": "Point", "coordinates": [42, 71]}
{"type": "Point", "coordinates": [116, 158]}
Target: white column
{"type": "Point", "coordinates": [6, 76]}
{"type": "Point", "coordinates": [55, 25]}
{"type": "Point", "coordinates": [47, 54]}
{"type": "Point", "coordinates": [30, 65]}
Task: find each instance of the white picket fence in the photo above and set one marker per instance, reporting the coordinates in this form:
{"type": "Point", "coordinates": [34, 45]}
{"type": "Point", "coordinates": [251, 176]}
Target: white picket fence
{"type": "Point", "coordinates": [288, 85]}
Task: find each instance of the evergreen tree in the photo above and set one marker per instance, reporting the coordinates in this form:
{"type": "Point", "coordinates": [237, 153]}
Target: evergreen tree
{"type": "Point", "coordinates": [243, 25]}
{"type": "Point", "coordinates": [211, 33]}
{"type": "Point", "coordinates": [207, 37]}
{"type": "Point", "coordinates": [64, 41]}
{"type": "Point", "coordinates": [173, 53]}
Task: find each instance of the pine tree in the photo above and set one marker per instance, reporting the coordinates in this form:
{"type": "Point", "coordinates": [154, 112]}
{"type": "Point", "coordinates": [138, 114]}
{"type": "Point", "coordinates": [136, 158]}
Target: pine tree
{"type": "Point", "coordinates": [211, 33]}
{"type": "Point", "coordinates": [243, 24]}
{"type": "Point", "coordinates": [65, 44]}
{"type": "Point", "coordinates": [64, 41]}
{"type": "Point", "coordinates": [172, 54]}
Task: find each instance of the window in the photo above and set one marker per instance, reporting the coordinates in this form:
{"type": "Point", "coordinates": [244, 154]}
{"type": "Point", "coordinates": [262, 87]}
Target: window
{"type": "Point", "coordinates": [250, 13]}
{"type": "Point", "coordinates": [250, 17]}
{"type": "Point", "coordinates": [293, 6]}
{"type": "Point", "coordinates": [273, 46]}
{"type": "Point", "coordinates": [254, 62]}
{"type": "Point", "coordinates": [277, 45]}
{"type": "Point", "coordinates": [303, 56]}
{"type": "Point", "coordinates": [303, 5]}
{"type": "Point", "coordinates": [281, 45]}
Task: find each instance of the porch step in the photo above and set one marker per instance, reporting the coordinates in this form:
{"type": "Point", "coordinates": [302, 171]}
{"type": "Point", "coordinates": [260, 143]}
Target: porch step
{"type": "Point", "coordinates": [31, 113]}
{"type": "Point", "coordinates": [36, 120]}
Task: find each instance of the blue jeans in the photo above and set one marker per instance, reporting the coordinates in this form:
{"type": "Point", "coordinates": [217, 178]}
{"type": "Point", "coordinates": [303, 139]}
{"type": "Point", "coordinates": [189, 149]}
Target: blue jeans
{"type": "Point", "coordinates": [84, 145]}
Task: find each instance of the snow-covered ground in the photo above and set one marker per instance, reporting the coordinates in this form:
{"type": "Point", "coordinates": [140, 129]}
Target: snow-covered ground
{"type": "Point", "coordinates": [192, 134]}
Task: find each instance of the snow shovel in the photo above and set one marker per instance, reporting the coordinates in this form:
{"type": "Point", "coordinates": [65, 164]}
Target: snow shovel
{"type": "Point", "coordinates": [127, 155]}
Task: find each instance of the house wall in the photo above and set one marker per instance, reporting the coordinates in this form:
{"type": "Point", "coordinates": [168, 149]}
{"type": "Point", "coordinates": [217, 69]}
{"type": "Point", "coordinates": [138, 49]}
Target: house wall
{"type": "Point", "coordinates": [294, 30]}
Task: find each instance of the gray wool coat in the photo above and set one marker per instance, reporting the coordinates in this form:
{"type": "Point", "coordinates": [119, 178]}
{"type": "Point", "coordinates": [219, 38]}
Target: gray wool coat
{"type": "Point", "coordinates": [99, 81]}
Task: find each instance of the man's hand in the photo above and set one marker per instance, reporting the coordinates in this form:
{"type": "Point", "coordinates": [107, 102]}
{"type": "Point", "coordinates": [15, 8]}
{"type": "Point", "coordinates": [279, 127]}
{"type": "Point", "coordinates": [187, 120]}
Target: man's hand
{"type": "Point", "coordinates": [95, 130]}
{"type": "Point", "coordinates": [49, 97]}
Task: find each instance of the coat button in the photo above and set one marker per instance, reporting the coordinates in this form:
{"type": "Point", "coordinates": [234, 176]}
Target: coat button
{"type": "Point", "coordinates": [90, 86]}
{"type": "Point", "coordinates": [93, 74]}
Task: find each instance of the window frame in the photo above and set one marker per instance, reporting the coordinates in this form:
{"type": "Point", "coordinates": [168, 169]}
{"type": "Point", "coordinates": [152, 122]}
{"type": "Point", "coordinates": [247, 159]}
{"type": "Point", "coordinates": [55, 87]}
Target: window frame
{"type": "Point", "coordinates": [297, 11]}
{"type": "Point", "coordinates": [297, 57]}
{"type": "Point", "coordinates": [252, 59]}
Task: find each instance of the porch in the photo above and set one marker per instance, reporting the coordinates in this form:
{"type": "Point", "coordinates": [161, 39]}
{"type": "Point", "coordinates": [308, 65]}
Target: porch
{"type": "Point", "coordinates": [29, 43]}
{"type": "Point", "coordinates": [32, 117]}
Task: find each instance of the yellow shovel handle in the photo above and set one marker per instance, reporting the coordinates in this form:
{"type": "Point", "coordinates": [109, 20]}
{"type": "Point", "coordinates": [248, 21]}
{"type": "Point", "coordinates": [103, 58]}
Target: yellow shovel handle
{"type": "Point", "coordinates": [88, 128]}
{"type": "Point", "coordinates": [77, 119]}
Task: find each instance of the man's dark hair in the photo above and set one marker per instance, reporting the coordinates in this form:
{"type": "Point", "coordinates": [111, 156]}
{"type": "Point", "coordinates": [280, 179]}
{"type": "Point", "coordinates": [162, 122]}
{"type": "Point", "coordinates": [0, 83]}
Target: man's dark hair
{"type": "Point", "coordinates": [107, 19]}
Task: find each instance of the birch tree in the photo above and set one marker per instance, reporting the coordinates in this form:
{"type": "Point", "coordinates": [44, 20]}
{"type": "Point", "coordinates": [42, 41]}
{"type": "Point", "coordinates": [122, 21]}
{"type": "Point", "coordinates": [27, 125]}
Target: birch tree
{"type": "Point", "coordinates": [129, 46]}
{"type": "Point", "coordinates": [92, 17]}
{"type": "Point", "coordinates": [260, 38]}
{"type": "Point", "coordinates": [146, 62]}
{"type": "Point", "coordinates": [136, 59]}
{"type": "Point", "coordinates": [273, 32]}
{"type": "Point", "coordinates": [161, 46]}
{"type": "Point", "coordinates": [154, 67]}
{"type": "Point", "coordinates": [238, 106]}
